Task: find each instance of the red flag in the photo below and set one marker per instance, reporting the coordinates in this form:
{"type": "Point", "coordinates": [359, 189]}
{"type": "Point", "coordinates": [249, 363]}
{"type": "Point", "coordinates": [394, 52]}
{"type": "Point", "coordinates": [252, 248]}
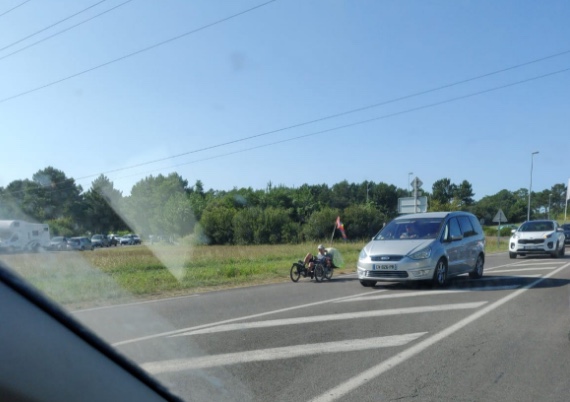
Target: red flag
{"type": "Point", "coordinates": [340, 226]}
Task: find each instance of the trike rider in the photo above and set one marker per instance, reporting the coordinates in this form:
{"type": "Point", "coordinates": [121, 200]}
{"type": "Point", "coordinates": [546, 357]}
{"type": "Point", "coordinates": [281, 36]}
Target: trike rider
{"type": "Point", "coordinates": [322, 256]}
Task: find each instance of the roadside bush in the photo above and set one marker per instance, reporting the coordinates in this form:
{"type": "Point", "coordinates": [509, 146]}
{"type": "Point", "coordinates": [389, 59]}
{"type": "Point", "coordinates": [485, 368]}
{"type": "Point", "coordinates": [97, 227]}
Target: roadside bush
{"type": "Point", "coordinates": [320, 224]}
{"type": "Point", "coordinates": [362, 221]}
{"type": "Point", "coordinates": [492, 231]}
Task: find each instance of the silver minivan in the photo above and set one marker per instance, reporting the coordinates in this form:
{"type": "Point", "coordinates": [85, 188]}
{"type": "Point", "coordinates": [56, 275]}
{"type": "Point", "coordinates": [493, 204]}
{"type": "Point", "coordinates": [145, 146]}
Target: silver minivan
{"type": "Point", "coordinates": [431, 246]}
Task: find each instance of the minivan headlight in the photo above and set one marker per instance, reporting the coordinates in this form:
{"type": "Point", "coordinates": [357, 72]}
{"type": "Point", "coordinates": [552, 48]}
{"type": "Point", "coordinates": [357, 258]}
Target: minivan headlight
{"type": "Point", "coordinates": [362, 255]}
{"type": "Point", "coordinates": [422, 254]}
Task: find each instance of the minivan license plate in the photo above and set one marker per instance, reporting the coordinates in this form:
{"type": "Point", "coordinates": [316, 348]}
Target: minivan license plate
{"type": "Point", "coordinates": [384, 267]}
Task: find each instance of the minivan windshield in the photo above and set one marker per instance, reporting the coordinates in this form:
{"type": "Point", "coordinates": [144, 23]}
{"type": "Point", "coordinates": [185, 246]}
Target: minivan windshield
{"type": "Point", "coordinates": [409, 229]}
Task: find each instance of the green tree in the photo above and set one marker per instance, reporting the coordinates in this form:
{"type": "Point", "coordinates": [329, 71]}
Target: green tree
{"type": "Point", "coordinates": [217, 224]}
{"type": "Point", "coordinates": [58, 195]}
{"type": "Point", "coordinates": [144, 208]}
{"type": "Point", "coordinates": [18, 201]}
{"type": "Point", "coordinates": [362, 221]}
{"type": "Point", "coordinates": [341, 195]}
{"type": "Point", "coordinates": [321, 224]}
{"type": "Point", "coordinates": [198, 199]}
{"type": "Point", "coordinates": [304, 203]}
{"type": "Point", "coordinates": [464, 193]}
{"type": "Point", "coordinates": [443, 191]}
{"type": "Point", "coordinates": [102, 201]}
{"type": "Point", "coordinates": [385, 198]}
{"type": "Point", "coordinates": [177, 215]}
{"type": "Point", "coordinates": [49, 195]}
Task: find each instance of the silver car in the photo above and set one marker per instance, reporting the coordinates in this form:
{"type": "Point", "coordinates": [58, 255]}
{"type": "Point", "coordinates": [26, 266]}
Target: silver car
{"type": "Point", "coordinates": [79, 243]}
{"type": "Point", "coordinates": [431, 246]}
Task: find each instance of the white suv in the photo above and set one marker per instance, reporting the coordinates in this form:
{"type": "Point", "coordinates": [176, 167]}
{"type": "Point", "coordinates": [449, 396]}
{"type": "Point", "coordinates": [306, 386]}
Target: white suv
{"type": "Point", "coordinates": [537, 237]}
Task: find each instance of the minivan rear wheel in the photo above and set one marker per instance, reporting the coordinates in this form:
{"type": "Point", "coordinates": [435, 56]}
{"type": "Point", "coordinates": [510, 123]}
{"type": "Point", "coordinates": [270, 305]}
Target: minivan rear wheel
{"type": "Point", "coordinates": [478, 270]}
{"type": "Point", "coordinates": [440, 273]}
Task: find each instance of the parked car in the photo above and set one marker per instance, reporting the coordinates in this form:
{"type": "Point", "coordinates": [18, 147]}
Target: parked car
{"type": "Point", "coordinates": [99, 240]}
{"type": "Point", "coordinates": [537, 237]}
{"type": "Point", "coordinates": [566, 228]}
{"type": "Point", "coordinates": [79, 243]}
{"type": "Point", "coordinates": [432, 246]}
{"type": "Point", "coordinates": [130, 240]}
{"type": "Point", "coordinates": [58, 243]}
{"type": "Point", "coordinates": [113, 240]}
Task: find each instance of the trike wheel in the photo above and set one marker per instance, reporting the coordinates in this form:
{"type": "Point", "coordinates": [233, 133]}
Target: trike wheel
{"type": "Point", "coordinates": [328, 273]}
{"type": "Point", "coordinates": [319, 273]}
{"type": "Point", "coordinates": [294, 273]}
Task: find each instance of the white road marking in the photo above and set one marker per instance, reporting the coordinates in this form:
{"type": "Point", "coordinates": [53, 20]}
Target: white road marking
{"type": "Point", "coordinates": [537, 262]}
{"type": "Point", "coordinates": [520, 263]}
{"type": "Point", "coordinates": [173, 332]}
{"type": "Point", "coordinates": [428, 293]}
{"type": "Point", "coordinates": [333, 317]}
{"type": "Point", "coordinates": [370, 375]}
{"type": "Point", "coordinates": [525, 269]}
{"type": "Point", "coordinates": [289, 352]}
{"type": "Point", "coordinates": [505, 278]}
{"type": "Point", "coordinates": [85, 310]}
{"type": "Point", "coordinates": [247, 317]}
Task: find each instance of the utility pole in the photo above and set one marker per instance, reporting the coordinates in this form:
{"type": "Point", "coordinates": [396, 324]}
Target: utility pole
{"type": "Point", "coordinates": [530, 187]}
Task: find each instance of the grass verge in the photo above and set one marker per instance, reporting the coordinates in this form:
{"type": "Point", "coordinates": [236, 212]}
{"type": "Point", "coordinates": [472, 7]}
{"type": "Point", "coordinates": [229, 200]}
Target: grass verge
{"type": "Point", "coordinates": [124, 274]}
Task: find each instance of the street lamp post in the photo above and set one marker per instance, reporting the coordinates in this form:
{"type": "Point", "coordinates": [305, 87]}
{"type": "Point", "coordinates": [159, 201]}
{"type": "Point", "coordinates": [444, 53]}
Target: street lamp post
{"type": "Point", "coordinates": [530, 187]}
{"type": "Point", "coordinates": [549, 202]}
{"type": "Point", "coordinates": [409, 174]}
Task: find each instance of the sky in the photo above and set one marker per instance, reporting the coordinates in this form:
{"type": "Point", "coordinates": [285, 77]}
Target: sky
{"type": "Point", "coordinates": [243, 93]}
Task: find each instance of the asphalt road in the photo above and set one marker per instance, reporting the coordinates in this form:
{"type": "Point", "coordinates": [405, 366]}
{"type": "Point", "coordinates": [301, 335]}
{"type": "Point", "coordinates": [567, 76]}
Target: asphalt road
{"type": "Point", "coordinates": [504, 337]}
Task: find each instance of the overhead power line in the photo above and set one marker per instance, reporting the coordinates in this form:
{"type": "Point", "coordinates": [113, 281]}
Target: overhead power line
{"type": "Point", "coordinates": [357, 123]}
{"type": "Point", "coordinates": [351, 111]}
{"type": "Point", "coordinates": [137, 52]}
{"type": "Point", "coordinates": [13, 8]}
{"type": "Point", "coordinates": [64, 30]}
{"type": "Point", "coordinates": [51, 26]}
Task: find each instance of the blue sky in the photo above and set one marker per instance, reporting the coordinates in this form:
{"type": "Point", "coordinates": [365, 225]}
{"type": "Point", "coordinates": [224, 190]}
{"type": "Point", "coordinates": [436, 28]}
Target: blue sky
{"type": "Point", "coordinates": [283, 64]}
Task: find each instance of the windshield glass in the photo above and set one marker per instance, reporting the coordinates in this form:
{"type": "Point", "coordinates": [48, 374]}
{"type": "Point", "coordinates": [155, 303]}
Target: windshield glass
{"type": "Point", "coordinates": [537, 227]}
{"type": "Point", "coordinates": [201, 154]}
{"type": "Point", "coordinates": [411, 229]}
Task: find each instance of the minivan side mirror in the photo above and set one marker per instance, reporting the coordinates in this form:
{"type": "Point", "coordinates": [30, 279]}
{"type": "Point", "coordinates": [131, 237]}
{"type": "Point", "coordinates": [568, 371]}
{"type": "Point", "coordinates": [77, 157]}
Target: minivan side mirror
{"type": "Point", "coordinates": [456, 237]}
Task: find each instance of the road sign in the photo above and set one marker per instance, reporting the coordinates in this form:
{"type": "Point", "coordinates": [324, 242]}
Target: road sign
{"type": "Point", "coordinates": [416, 183]}
{"type": "Point", "coordinates": [410, 205]}
{"type": "Point", "coordinates": [500, 217]}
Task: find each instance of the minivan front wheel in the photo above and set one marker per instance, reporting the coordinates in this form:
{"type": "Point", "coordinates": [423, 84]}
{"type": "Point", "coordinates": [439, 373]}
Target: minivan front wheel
{"type": "Point", "coordinates": [440, 273]}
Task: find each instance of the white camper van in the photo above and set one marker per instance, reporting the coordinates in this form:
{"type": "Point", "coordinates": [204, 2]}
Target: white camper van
{"type": "Point", "coordinates": [23, 236]}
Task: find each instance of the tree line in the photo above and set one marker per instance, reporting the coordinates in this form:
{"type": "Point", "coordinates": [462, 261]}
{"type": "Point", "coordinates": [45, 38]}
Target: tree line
{"type": "Point", "coordinates": [167, 206]}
